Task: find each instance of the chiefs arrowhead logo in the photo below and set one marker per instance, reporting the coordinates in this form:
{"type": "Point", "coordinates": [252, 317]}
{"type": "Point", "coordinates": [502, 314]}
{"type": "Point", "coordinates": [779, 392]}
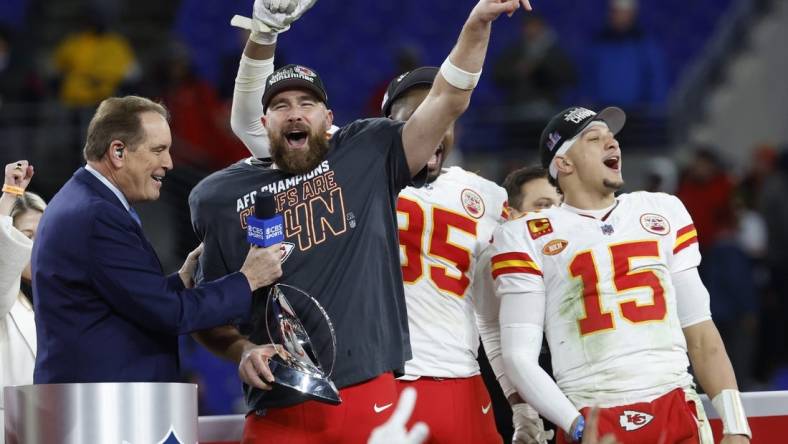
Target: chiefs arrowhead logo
{"type": "Point", "coordinates": [654, 223]}
{"type": "Point", "coordinates": [473, 203]}
{"type": "Point", "coordinates": [632, 420]}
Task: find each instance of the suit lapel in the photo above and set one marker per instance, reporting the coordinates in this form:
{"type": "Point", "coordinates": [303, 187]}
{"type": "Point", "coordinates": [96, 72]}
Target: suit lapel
{"type": "Point", "coordinates": [86, 177]}
{"type": "Point", "coordinates": [91, 181]}
{"type": "Point", "coordinates": [23, 318]}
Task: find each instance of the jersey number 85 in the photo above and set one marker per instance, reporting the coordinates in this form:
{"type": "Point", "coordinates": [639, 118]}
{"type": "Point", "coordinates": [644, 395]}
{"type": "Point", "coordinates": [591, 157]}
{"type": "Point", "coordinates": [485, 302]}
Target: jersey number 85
{"type": "Point", "coordinates": [439, 246]}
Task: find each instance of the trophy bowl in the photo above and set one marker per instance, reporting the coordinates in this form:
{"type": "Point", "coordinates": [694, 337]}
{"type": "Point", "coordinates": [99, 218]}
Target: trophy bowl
{"type": "Point", "coordinates": [297, 366]}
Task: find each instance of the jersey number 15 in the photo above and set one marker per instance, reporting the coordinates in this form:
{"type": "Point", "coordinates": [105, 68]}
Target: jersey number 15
{"type": "Point", "coordinates": [584, 266]}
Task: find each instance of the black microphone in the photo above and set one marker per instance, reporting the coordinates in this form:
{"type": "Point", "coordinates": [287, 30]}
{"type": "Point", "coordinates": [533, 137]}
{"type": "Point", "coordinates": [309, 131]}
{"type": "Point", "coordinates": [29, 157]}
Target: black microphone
{"type": "Point", "coordinates": [266, 227]}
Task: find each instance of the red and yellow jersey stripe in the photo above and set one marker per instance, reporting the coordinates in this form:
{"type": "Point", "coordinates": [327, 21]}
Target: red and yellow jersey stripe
{"type": "Point", "coordinates": [505, 213]}
{"type": "Point", "coordinates": [685, 237]}
{"type": "Point", "coordinates": [506, 263]}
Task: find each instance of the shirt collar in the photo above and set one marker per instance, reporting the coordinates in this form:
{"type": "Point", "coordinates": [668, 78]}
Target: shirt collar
{"type": "Point", "coordinates": [594, 214]}
{"type": "Point", "coordinates": [109, 185]}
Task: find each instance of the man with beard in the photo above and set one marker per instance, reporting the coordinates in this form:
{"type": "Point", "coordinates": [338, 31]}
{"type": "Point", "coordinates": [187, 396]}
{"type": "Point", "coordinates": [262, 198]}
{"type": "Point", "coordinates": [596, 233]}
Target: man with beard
{"type": "Point", "coordinates": [337, 196]}
{"type": "Point", "coordinates": [613, 282]}
{"type": "Point", "coordinates": [444, 232]}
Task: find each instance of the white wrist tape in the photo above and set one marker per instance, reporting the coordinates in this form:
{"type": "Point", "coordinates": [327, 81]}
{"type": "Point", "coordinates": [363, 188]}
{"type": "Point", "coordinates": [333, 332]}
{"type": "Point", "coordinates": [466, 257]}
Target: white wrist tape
{"type": "Point", "coordinates": [252, 74]}
{"type": "Point", "coordinates": [457, 77]}
{"type": "Point", "coordinates": [263, 38]}
{"type": "Point", "coordinates": [255, 25]}
{"type": "Point", "coordinates": [729, 407]}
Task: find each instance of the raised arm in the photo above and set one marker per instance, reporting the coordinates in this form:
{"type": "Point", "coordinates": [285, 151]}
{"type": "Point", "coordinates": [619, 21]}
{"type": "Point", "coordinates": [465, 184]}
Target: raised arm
{"type": "Point", "coordinates": [14, 245]}
{"type": "Point", "coordinates": [270, 18]}
{"type": "Point", "coordinates": [451, 91]}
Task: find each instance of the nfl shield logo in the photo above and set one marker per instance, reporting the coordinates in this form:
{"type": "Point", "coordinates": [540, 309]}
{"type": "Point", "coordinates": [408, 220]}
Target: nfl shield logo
{"type": "Point", "coordinates": [607, 229]}
{"type": "Point", "coordinates": [171, 438]}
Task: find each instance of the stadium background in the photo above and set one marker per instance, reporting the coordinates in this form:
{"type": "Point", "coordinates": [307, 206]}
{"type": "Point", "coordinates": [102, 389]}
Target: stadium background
{"type": "Point", "coordinates": [710, 123]}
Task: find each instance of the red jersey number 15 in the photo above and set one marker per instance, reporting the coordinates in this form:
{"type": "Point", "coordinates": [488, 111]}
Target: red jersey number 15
{"type": "Point", "coordinates": [584, 266]}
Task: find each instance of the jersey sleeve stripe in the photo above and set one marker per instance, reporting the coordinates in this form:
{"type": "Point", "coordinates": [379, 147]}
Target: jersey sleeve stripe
{"type": "Point", "coordinates": [514, 255]}
{"type": "Point", "coordinates": [515, 263]}
{"type": "Point", "coordinates": [685, 241]}
{"type": "Point", "coordinates": [685, 237]}
{"type": "Point", "coordinates": [685, 230]}
{"type": "Point", "coordinates": [510, 270]}
{"type": "Point", "coordinates": [505, 215]}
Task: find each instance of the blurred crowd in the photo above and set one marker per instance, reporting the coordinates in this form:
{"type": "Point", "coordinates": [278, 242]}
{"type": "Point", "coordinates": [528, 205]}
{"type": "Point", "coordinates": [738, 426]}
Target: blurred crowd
{"type": "Point", "coordinates": [742, 223]}
{"type": "Point", "coordinates": [741, 219]}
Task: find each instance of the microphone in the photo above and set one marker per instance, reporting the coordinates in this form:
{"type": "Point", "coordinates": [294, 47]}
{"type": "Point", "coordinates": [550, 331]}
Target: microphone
{"type": "Point", "coordinates": [266, 227]}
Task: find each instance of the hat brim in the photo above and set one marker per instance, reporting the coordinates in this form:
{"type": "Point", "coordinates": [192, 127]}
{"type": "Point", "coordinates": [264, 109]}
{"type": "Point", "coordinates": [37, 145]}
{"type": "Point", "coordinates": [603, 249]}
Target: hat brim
{"type": "Point", "coordinates": [614, 117]}
{"type": "Point", "coordinates": [290, 84]}
{"type": "Point", "coordinates": [423, 76]}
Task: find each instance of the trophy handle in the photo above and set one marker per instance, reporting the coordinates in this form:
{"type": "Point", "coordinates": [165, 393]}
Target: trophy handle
{"type": "Point", "coordinates": [271, 294]}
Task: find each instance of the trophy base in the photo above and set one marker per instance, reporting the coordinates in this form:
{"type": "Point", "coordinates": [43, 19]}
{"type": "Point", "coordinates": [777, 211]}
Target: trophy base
{"type": "Point", "coordinates": [311, 386]}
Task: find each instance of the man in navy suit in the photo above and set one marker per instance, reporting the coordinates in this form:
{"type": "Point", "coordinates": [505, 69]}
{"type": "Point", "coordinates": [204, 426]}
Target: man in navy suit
{"type": "Point", "coordinates": [105, 312]}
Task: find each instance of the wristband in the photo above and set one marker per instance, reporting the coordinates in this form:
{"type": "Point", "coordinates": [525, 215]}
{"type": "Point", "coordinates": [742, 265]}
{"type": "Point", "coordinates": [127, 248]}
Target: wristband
{"type": "Point", "coordinates": [457, 77]}
{"type": "Point", "coordinates": [729, 407]}
{"type": "Point", "coordinates": [263, 38]}
{"type": "Point", "coordinates": [11, 189]}
{"type": "Point", "coordinates": [577, 433]}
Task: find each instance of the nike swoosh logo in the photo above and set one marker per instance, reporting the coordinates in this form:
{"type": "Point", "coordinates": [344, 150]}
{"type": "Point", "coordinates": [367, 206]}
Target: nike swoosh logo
{"type": "Point", "coordinates": [381, 408]}
{"type": "Point", "coordinates": [486, 409]}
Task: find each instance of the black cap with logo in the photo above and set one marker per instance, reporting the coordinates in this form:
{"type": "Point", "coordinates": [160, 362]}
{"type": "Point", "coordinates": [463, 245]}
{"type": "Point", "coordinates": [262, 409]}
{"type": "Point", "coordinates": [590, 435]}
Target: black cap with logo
{"type": "Point", "coordinates": [571, 122]}
{"type": "Point", "coordinates": [420, 76]}
{"type": "Point", "coordinates": [293, 77]}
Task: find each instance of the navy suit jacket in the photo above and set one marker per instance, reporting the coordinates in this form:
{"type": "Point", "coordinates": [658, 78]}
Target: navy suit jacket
{"type": "Point", "coordinates": [105, 311]}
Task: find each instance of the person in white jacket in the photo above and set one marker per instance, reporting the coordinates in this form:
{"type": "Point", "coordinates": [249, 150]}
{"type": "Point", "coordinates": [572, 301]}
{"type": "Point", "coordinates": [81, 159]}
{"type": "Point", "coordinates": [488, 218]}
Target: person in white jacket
{"type": "Point", "coordinates": [20, 212]}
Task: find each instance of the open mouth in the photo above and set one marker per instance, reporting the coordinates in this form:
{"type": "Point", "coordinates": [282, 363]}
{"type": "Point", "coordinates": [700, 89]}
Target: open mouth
{"type": "Point", "coordinates": [157, 179]}
{"type": "Point", "coordinates": [296, 138]}
{"type": "Point", "coordinates": [613, 162]}
{"type": "Point", "coordinates": [436, 159]}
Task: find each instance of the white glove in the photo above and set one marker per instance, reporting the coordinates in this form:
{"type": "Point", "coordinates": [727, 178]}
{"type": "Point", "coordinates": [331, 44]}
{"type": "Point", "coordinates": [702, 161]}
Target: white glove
{"type": "Point", "coordinates": [393, 431]}
{"type": "Point", "coordinates": [528, 426]}
{"type": "Point", "coordinates": [279, 14]}
{"type": "Point", "coordinates": [275, 6]}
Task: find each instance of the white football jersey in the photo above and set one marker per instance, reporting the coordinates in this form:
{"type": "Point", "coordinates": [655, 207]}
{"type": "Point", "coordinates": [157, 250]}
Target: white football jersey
{"type": "Point", "coordinates": [443, 229]}
{"type": "Point", "coordinates": [610, 307]}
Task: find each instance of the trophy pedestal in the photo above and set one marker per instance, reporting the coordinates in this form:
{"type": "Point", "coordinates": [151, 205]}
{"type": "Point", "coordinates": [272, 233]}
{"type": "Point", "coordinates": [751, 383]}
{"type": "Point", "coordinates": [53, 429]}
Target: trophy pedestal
{"type": "Point", "coordinates": [311, 386]}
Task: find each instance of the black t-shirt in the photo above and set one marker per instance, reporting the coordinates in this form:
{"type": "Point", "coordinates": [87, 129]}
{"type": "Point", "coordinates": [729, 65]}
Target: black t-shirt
{"type": "Point", "coordinates": [341, 243]}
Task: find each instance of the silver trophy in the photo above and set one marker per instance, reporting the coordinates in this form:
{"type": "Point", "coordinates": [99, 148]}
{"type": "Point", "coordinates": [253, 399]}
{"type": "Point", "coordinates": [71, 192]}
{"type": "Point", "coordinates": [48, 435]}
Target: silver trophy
{"type": "Point", "coordinates": [298, 368]}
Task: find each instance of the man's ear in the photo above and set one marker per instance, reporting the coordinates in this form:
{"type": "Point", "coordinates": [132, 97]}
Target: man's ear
{"type": "Point", "coordinates": [116, 153]}
{"type": "Point", "coordinates": [264, 121]}
{"type": "Point", "coordinates": [563, 164]}
{"type": "Point", "coordinates": [329, 118]}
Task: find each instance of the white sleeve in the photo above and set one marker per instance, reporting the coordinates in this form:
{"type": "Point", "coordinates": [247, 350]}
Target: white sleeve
{"type": "Point", "coordinates": [16, 249]}
{"type": "Point", "coordinates": [692, 298]}
{"type": "Point", "coordinates": [521, 342]}
{"type": "Point", "coordinates": [686, 254]}
{"type": "Point", "coordinates": [486, 305]}
{"type": "Point", "coordinates": [247, 108]}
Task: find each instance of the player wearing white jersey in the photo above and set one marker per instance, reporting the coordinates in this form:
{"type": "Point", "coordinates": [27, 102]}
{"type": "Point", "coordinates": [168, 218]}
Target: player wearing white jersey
{"type": "Point", "coordinates": [445, 227]}
{"type": "Point", "coordinates": [613, 283]}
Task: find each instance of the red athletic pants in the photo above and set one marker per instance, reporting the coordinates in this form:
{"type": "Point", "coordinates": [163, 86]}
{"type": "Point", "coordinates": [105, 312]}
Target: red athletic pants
{"type": "Point", "coordinates": [669, 419]}
{"type": "Point", "coordinates": [457, 410]}
{"type": "Point", "coordinates": [364, 406]}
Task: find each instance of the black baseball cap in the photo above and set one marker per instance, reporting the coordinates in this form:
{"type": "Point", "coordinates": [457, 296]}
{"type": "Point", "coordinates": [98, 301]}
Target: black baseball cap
{"type": "Point", "coordinates": [420, 76]}
{"type": "Point", "coordinates": [293, 77]}
{"type": "Point", "coordinates": [571, 122]}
